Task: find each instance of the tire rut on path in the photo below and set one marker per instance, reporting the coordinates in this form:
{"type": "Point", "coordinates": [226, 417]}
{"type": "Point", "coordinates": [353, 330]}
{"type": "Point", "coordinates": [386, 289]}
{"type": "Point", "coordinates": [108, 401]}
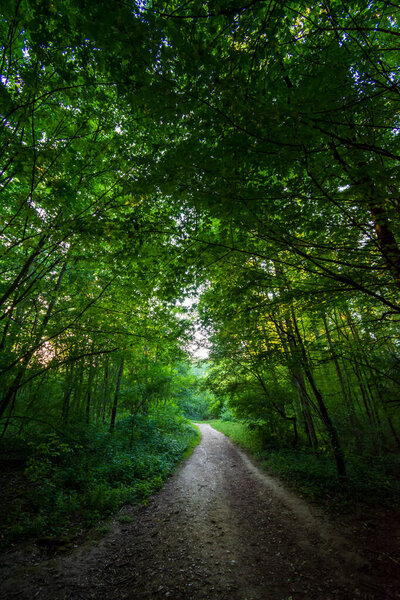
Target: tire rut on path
{"type": "Point", "coordinates": [220, 529]}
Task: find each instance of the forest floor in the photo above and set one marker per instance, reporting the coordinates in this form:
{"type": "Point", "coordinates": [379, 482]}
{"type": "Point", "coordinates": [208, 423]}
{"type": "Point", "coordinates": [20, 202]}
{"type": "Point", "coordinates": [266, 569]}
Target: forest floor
{"type": "Point", "coordinates": [220, 529]}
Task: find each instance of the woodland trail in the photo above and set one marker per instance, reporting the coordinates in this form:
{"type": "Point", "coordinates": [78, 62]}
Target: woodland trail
{"type": "Point", "coordinates": [220, 529]}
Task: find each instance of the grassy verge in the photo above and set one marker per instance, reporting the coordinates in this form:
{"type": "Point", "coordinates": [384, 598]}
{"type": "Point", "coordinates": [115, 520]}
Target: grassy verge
{"type": "Point", "coordinates": [240, 434]}
{"type": "Point", "coordinates": [192, 444]}
{"type": "Point", "coordinates": [373, 481]}
{"type": "Point", "coordinates": [64, 483]}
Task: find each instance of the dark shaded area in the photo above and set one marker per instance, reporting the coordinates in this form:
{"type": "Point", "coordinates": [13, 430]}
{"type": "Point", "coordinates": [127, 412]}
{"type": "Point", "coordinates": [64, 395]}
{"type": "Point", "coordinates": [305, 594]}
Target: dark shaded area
{"type": "Point", "coordinates": [219, 529]}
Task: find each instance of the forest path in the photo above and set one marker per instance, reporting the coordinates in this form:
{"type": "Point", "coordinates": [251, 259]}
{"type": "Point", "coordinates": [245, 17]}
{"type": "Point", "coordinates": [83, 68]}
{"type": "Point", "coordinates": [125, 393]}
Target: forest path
{"type": "Point", "coordinates": [220, 529]}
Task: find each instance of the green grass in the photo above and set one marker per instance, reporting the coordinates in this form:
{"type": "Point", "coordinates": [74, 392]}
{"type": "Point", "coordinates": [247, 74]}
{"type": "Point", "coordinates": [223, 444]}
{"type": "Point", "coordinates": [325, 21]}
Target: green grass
{"type": "Point", "coordinates": [372, 481]}
{"type": "Point", "coordinates": [125, 519]}
{"type": "Point", "coordinates": [240, 434]}
{"type": "Point", "coordinates": [192, 444]}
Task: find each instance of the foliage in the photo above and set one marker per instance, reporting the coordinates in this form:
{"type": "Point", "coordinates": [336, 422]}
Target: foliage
{"type": "Point", "coordinates": [241, 434]}
{"type": "Point", "coordinates": [75, 482]}
{"type": "Point", "coordinates": [226, 413]}
{"type": "Point", "coordinates": [244, 155]}
{"type": "Point", "coordinates": [316, 476]}
{"type": "Point", "coordinates": [190, 393]}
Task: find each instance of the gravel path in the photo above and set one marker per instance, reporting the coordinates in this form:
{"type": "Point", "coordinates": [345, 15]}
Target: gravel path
{"type": "Point", "coordinates": [220, 529]}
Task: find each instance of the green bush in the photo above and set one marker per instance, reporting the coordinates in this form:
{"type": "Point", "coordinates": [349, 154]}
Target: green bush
{"type": "Point", "coordinates": [371, 482]}
{"type": "Point", "coordinates": [78, 480]}
{"type": "Point", "coordinates": [226, 414]}
{"type": "Point", "coordinates": [316, 477]}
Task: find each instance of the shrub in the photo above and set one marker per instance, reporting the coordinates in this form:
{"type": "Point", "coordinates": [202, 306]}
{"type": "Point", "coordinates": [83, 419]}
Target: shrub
{"type": "Point", "coordinates": [83, 479]}
{"type": "Point", "coordinates": [371, 482]}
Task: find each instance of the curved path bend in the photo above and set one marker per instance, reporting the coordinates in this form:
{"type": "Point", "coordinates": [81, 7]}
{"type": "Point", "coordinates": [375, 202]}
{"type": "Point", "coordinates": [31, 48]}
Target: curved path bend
{"type": "Point", "coordinates": [220, 529]}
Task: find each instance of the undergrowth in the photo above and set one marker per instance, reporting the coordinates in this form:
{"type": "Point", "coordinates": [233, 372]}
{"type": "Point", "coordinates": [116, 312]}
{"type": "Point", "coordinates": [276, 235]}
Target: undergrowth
{"type": "Point", "coordinates": [75, 478]}
{"type": "Point", "coordinates": [370, 480]}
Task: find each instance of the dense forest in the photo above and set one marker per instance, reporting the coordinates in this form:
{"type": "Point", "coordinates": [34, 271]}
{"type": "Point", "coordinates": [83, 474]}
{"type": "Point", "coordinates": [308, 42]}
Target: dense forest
{"type": "Point", "coordinates": [181, 173]}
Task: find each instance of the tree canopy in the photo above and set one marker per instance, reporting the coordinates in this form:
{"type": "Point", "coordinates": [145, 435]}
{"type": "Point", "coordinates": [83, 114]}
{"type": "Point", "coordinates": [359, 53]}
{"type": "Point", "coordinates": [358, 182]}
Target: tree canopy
{"type": "Point", "coordinates": [246, 153]}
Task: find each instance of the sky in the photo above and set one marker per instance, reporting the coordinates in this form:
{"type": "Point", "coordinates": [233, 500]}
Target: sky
{"type": "Point", "coordinates": [199, 347]}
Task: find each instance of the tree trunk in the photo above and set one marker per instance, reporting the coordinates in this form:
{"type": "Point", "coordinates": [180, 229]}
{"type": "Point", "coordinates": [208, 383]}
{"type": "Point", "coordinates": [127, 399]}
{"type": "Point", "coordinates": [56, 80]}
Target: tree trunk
{"type": "Point", "coordinates": [106, 392]}
{"type": "Point", "coordinates": [9, 397]}
{"type": "Point", "coordinates": [67, 393]}
{"type": "Point", "coordinates": [345, 393]}
{"type": "Point", "coordinates": [89, 392]}
{"type": "Point", "coordinates": [329, 426]}
{"type": "Point", "coordinates": [386, 240]}
{"type": "Point", "coordinates": [115, 403]}
{"type": "Point", "coordinates": [297, 378]}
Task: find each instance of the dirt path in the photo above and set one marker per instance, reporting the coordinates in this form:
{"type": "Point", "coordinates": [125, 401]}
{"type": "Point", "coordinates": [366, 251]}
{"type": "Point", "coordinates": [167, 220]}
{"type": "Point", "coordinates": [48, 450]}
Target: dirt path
{"type": "Point", "coordinates": [221, 530]}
